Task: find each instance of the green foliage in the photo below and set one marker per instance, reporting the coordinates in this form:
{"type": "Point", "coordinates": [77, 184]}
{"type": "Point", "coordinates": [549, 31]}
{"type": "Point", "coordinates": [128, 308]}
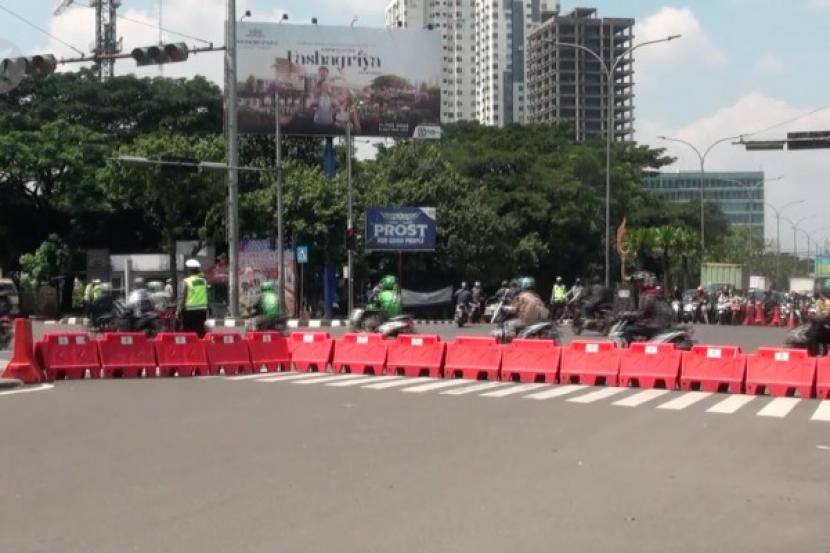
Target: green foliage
{"type": "Point", "coordinates": [49, 262]}
{"type": "Point", "coordinates": [667, 245]}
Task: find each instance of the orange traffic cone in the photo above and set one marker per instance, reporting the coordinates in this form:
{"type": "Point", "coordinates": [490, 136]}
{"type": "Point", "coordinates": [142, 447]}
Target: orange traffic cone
{"type": "Point", "coordinates": [792, 323]}
{"type": "Point", "coordinates": [23, 365]}
{"type": "Point", "coordinates": [749, 315]}
{"type": "Point", "coordinates": [776, 316]}
{"type": "Point", "coordinates": [760, 318]}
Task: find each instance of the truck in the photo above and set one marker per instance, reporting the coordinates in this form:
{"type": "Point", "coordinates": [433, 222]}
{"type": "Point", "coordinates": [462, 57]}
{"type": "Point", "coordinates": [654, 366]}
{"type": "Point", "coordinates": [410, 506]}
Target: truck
{"type": "Point", "coordinates": [718, 275]}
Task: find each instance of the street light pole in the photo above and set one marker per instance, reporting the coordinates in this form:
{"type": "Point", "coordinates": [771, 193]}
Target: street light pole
{"type": "Point", "coordinates": [749, 187]}
{"type": "Point", "coordinates": [609, 130]}
{"type": "Point", "coordinates": [795, 226]}
{"type": "Point", "coordinates": [280, 237]}
{"type": "Point", "coordinates": [778, 213]}
{"type": "Point", "coordinates": [702, 158]}
{"type": "Point", "coordinates": [350, 220]}
{"type": "Point", "coordinates": [232, 138]}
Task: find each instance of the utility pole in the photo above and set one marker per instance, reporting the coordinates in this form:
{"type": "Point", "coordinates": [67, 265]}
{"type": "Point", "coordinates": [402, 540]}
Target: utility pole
{"type": "Point", "coordinates": [350, 221]}
{"type": "Point", "coordinates": [232, 154]}
{"type": "Point", "coordinates": [280, 237]}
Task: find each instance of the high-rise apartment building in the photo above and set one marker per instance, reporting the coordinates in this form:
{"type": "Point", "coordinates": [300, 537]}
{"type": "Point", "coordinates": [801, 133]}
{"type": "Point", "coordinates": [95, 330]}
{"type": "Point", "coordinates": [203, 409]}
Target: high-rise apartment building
{"type": "Point", "coordinates": [569, 85]}
{"type": "Point", "coordinates": [484, 53]}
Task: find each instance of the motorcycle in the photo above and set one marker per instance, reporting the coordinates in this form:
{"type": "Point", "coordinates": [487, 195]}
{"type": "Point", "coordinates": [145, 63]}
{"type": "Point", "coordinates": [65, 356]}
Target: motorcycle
{"type": "Point", "coordinates": [600, 323]}
{"type": "Point", "coordinates": [804, 337]}
{"type": "Point", "coordinates": [680, 336]}
{"type": "Point", "coordinates": [372, 319]}
{"type": "Point", "coordinates": [5, 332]}
{"type": "Point", "coordinates": [723, 312]}
{"type": "Point", "coordinates": [545, 330]}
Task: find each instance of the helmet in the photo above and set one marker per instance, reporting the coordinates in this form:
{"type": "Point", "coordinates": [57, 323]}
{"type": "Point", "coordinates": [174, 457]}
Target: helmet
{"type": "Point", "coordinates": [388, 282]}
{"type": "Point", "coordinates": [96, 281]}
{"type": "Point", "coordinates": [578, 281]}
{"type": "Point", "coordinates": [700, 289]}
{"type": "Point", "coordinates": [463, 283]}
{"type": "Point", "coordinates": [267, 286]}
{"type": "Point", "coordinates": [824, 287]}
{"type": "Point", "coordinates": [478, 284]}
{"type": "Point", "coordinates": [138, 282]}
{"type": "Point", "coordinates": [192, 264]}
{"type": "Point", "coordinates": [504, 284]}
{"type": "Point", "coordinates": [559, 279]}
{"type": "Point", "coordinates": [527, 283]}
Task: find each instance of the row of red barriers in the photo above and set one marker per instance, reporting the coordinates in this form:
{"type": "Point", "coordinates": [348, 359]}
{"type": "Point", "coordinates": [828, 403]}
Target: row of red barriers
{"type": "Point", "coordinates": [778, 372]}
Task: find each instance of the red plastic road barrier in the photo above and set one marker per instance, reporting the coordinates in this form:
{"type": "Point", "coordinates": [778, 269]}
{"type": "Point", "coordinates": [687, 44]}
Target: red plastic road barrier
{"type": "Point", "coordinates": [650, 366]}
{"type": "Point", "coordinates": [360, 354]}
{"type": "Point", "coordinates": [68, 355]}
{"type": "Point", "coordinates": [713, 369]}
{"type": "Point", "coordinates": [269, 350]}
{"type": "Point", "coordinates": [760, 317]}
{"type": "Point", "coordinates": [776, 316]}
{"type": "Point", "coordinates": [126, 355]}
{"type": "Point", "coordinates": [591, 363]}
{"type": "Point", "coordinates": [473, 358]}
{"type": "Point", "coordinates": [23, 365]}
{"type": "Point", "coordinates": [531, 360]}
{"type": "Point", "coordinates": [823, 378]}
{"type": "Point", "coordinates": [781, 372]}
{"type": "Point", "coordinates": [749, 315]}
{"type": "Point", "coordinates": [414, 356]}
{"type": "Point", "coordinates": [181, 354]}
{"type": "Point", "coordinates": [228, 352]}
{"type": "Point", "coordinates": [311, 351]}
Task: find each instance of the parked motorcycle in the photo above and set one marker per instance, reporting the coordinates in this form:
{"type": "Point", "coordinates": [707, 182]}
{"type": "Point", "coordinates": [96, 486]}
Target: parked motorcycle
{"type": "Point", "coordinates": [680, 335]}
{"type": "Point", "coordinates": [373, 319]}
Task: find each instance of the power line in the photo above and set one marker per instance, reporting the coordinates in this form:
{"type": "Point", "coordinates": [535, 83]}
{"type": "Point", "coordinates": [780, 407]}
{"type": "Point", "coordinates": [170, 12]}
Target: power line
{"type": "Point", "coordinates": [41, 29]}
{"type": "Point", "coordinates": [793, 120]}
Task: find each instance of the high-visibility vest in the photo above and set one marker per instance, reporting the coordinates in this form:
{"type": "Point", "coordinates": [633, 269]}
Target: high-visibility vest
{"type": "Point", "coordinates": [197, 296]}
{"type": "Point", "coordinates": [559, 292]}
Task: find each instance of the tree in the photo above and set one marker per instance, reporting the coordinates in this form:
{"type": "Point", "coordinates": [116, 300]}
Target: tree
{"type": "Point", "coordinates": [182, 205]}
{"type": "Point", "coordinates": [659, 249]}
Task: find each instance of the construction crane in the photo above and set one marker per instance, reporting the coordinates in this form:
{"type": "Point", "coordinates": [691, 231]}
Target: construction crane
{"type": "Point", "coordinates": [62, 6]}
{"type": "Point", "coordinates": [106, 41]}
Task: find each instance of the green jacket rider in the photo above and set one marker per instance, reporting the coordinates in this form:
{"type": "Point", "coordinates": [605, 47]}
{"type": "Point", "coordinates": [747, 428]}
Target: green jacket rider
{"type": "Point", "coordinates": [389, 299]}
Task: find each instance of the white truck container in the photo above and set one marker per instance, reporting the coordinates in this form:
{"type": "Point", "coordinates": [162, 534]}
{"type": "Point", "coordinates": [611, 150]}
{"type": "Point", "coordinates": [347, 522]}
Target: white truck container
{"type": "Point", "coordinates": [802, 285]}
{"type": "Point", "coordinates": [757, 282]}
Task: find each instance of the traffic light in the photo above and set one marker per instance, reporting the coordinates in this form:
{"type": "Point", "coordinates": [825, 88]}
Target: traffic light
{"type": "Point", "coordinates": [815, 140]}
{"type": "Point", "coordinates": [33, 65]}
{"type": "Point", "coordinates": [158, 55]}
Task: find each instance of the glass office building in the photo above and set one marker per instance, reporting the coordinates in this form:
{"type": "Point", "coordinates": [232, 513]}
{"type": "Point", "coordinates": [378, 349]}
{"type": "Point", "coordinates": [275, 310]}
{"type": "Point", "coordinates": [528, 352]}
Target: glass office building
{"type": "Point", "coordinates": [740, 194]}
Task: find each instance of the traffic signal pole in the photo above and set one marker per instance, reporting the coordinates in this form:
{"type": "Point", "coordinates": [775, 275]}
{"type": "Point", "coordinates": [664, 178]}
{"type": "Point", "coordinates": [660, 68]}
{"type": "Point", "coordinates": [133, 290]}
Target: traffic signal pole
{"type": "Point", "coordinates": [232, 154]}
{"type": "Point", "coordinates": [280, 237]}
{"type": "Point", "coordinates": [350, 221]}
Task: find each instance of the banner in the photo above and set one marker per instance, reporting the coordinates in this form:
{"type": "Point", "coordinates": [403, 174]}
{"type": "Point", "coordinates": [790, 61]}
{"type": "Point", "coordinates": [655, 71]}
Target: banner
{"type": "Point", "coordinates": [400, 229]}
{"type": "Point", "coordinates": [385, 82]}
{"type": "Point", "coordinates": [426, 299]}
{"type": "Point", "coordinates": [823, 266]}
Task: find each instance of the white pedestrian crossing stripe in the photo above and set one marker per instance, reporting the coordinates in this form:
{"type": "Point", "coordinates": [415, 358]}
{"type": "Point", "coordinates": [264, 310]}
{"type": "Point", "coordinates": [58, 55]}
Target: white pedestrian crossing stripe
{"type": "Point", "coordinates": [686, 400]}
{"type": "Point", "coordinates": [513, 390]}
{"type": "Point", "coordinates": [780, 407]}
{"type": "Point", "coordinates": [731, 404]}
{"type": "Point", "coordinates": [474, 388]}
{"type": "Point", "coordinates": [640, 398]}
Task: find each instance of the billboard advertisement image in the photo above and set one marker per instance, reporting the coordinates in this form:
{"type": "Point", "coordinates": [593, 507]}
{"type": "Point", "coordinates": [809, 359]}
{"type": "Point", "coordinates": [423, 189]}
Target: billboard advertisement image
{"type": "Point", "coordinates": [400, 229]}
{"type": "Point", "coordinates": [384, 82]}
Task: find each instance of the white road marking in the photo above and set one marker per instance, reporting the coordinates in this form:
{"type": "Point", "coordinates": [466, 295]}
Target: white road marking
{"type": "Point", "coordinates": [331, 378]}
{"type": "Point", "coordinates": [687, 399]}
{"type": "Point", "coordinates": [293, 376]}
{"type": "Point", "coordinates": [731, 404]}
{"type": "Point", "coordinates": [822, 412]}
{"type": "Point", "coordinates": [38, 388]}
{"type": "Point", "coordinates": [260, 375]}
{"type": "Point", "coordinates": [640, 398]}
{"type": "Point", "coordinates": [597, 395]}
{"type": "Point", "coordinates": [434, 386]}
{"type": "Point", "coordinates": [779, 407]}
{"type": "Point", "coordinates": [513, 390]}
{"type": "Point", "coordinates": [557, 392]}
{"type": "Point", "coordinates": [394, 383]}
{"type": "Point", "coordinates": [472, 389]}
{"type": "Point", "coordinates": [367, 380]}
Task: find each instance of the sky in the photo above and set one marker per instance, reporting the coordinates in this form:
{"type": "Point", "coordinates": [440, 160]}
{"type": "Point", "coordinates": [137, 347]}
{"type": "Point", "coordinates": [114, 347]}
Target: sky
{"type": "Point", "coordinates": [741, 66]}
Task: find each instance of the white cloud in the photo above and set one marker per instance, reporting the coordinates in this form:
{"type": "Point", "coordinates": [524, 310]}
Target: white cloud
{"type": "Point", "coordinates": [804, 172]}
{"type": "Point", "coordinates": [768, 65]}
{"type": "Point", "coordinates": [693, 47]}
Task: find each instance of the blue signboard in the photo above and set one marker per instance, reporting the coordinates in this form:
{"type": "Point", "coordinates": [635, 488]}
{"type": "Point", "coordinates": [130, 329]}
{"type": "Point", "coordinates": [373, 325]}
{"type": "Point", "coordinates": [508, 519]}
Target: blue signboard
{"type": "Point", "coordinates": [400, 229]}
{"type": "Point", "coordinates": [302, 255]}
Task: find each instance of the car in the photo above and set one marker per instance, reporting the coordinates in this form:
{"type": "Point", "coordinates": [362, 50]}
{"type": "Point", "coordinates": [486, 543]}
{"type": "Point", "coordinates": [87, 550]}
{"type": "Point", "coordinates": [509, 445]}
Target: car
{"type": "Point", "coordinates": [9, 298]}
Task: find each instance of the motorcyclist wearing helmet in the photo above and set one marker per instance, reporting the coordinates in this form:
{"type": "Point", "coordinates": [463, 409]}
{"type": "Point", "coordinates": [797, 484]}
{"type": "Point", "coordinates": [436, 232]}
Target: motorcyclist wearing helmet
{"type": "Point", "coordinates": [504, 291]}
{"type": "Point", "coordinates": [477, 298]}
{"type": "Point", "coordinates": [819, 331]}
{"type": "Point", "coordinates": [389, 299]}
{"type": "Point", "coordinates": [527, 307]}
{"type": "Point", "coordinates": [702, 313]}
{"type": "Point", "coordinates": [654, 314]}
{"type": "Point", "coordinates": [463, 296]}
{"type": "Point", "coordinates": [193, 302]}
{"type": "Point", "coordinates": [157, 295]}
{"type": "Point", "coordinates": [139, 302]}
{"type": "Point", "coordinates": [598, 296]}
{"type": "Point", "coordinates": [269, 307]}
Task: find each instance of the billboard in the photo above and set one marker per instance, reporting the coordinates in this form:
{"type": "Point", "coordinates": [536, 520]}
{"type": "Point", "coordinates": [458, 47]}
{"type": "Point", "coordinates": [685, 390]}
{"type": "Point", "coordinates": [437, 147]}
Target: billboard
{"type": "Point", "coordinates": [385, 82]}
{"type": "Point", "coordinates": [400, 229]}
{"type": "Point", "coordinates": [823, 266]}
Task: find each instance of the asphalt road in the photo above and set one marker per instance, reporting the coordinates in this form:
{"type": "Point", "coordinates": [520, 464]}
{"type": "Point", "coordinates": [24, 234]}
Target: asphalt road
{"type": "Point", "coordinates": [217, 465]}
